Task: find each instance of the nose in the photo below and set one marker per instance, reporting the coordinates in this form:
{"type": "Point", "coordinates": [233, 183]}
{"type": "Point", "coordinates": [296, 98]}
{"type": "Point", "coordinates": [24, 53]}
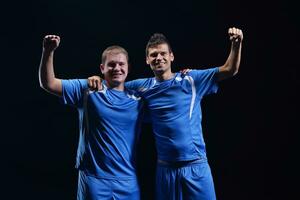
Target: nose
{"type": "Point", "coordinates": [159, 56]}
{"type": "Point", "coordinates": [117, 67]}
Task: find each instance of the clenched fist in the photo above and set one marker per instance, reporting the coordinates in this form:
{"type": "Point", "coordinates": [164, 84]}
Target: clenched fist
{"type": "Point", "coordinates": [235, 35]}
{"type": "Point", "coordinates": [95, 83]}
{"type": "Point", "coordinates": [51, 42]}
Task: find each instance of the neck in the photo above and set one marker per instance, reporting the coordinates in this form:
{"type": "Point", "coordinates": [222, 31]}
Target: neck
{"type": "Point", "coordinates": [120, 87]}
{"type": "Point", "coordinates": [164, 76]}
{"type": "Point", "coordinates": [115, 86]}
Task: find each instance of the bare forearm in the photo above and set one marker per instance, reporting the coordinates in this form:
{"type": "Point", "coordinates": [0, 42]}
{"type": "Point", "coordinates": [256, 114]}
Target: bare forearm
{"type": "Point", "coordinates": [46, 72]}
{"type": "Point", "coordinates": [47, 78]}
{"type": "Point", "coordinates": [232, 64]}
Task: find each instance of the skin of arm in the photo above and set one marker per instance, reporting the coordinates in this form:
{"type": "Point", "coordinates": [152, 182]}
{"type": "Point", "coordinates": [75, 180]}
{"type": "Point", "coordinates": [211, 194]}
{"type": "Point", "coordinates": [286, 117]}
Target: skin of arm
{"type": "Point", "coordinates": [47, 78]}
{"type": "Point", "coordinates": [231, 66]}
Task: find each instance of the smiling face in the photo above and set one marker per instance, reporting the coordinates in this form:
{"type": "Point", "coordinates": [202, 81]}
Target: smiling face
{"type": "Point", "coordinates": [160, 58]}
{"type": "Point", "coordinates": [115, 69]}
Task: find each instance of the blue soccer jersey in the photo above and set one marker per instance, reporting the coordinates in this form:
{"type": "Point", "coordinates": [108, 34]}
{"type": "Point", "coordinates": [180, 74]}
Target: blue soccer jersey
{"type": "Point", "coordinates": [109, 124]}
{"type": "Point", "coordinates": [175, 111]}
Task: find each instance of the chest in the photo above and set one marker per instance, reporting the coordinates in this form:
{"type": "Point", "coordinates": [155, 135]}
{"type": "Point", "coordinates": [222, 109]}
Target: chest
{"type": "Point", "coordinates": [101, 107]}
{"type": "Point", "coordinates": [175, 97]}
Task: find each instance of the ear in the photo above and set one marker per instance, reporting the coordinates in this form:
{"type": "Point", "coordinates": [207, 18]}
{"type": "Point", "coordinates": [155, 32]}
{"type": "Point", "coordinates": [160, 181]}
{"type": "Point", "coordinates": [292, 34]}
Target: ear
{"type": "Point", "coordinates": [172, 56]}
{"type": "Point", "coordinates": [102, 68]}
{"type": "Point", "coordinates": [147, 60]}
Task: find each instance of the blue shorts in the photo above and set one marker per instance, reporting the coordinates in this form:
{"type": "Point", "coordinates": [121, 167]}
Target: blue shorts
{"type": "Point", "coordinates": [184, 181]}
{"type": "Point", "coordinates": [94, 188]}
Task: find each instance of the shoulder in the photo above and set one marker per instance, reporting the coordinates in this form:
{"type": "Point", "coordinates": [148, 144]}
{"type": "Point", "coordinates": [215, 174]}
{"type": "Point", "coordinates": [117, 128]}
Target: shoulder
{"type": "Point", "coordinates": [140, 81]}
{"type": "Point", "coordinates": [140, 84]}
{"type": "Point", "coordinates": [82, 83]}
{"type": "Point", "coordinates": [196, 73]}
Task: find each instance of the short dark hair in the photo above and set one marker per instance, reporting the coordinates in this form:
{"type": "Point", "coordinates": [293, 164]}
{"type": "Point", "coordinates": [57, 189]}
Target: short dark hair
{"type": "Point", "coordinates": [114, 49]}
{"type": "Point", "coordinates": [157, 39]}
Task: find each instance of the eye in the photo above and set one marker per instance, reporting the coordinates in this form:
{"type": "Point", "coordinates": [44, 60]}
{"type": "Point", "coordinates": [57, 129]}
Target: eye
{"type": "Point", "coordinates": [153, 55]}
{"type": "Point", "coordinates": [111, 64]}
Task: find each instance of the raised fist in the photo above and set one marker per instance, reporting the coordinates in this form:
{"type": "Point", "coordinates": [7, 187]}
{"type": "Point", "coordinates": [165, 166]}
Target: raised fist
{"type": "Point", "coordinates": [235, 35]}
{"type": "Point", "coordinates": [51, 42]}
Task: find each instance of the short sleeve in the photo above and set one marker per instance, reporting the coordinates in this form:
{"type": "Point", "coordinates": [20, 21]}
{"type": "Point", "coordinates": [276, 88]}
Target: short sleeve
{"type": "Point", "coordinates": [205, 81]}
{"type": "Point", "coordinates": [73, 91]}
{"type": "Point", "coordinates": [139, 85]}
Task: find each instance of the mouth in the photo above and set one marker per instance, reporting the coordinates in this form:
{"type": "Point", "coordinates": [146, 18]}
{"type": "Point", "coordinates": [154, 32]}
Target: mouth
{"type": "Point", "coordinates": [117, 75]}
{"type": "Point", "coordinates": [159, 64]}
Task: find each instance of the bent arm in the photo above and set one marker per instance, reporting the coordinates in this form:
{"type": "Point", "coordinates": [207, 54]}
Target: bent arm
{"type": "Point", "coordinates": [232, 64]}
{"type": "Point", "coordinates": [47, 78]}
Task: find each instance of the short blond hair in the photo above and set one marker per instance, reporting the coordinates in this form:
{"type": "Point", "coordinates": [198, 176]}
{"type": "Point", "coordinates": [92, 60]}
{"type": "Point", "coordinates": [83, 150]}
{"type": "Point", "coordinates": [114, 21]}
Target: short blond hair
{"type": "Point", "coordinates": [115, 49]}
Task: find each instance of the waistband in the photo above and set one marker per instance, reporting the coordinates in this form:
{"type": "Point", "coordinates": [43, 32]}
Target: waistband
{"type": "Point", "coordinates": [108, 177]}
{"type": "Point", "coordinates": [180, 163]}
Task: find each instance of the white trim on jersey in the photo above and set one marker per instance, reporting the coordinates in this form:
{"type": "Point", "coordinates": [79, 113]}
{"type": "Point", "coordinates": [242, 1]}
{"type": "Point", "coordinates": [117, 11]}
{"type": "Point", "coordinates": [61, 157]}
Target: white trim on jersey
{"type": "Point", "coordinates": [191, 81]}
{"type": "Point", "coordinates": [85, 109]}
{"type": "Point", "coordinates": [142, 89]}
{"type": "Point", "coordinates": [104, 89]}
{"type": "Point", "coordinates": [178, 78]}
{"type": "Point", "coordinates": [131, 96]}
{"type": "Point", "coordinates": [154, 82]}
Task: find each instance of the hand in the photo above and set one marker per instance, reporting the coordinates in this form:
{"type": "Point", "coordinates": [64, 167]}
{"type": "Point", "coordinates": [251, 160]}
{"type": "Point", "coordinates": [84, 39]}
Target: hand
{"type": "Point", "coordinates": [185, 71]}
{"type": "Point", "coordinates": [51, 42]}
{"type": "Point", "coordinates": [95, 83]}
{"type": "Point", "coordinates": [235, 35]}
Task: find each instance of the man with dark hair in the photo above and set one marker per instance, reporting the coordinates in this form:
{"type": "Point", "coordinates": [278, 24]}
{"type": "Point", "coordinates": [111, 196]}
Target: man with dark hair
{"type": "Point", "coordinates": [173, 101]}
{"type": "Point", "coordinates": [109, 123]}
{"type": "Point", "coordinates": [156, 39]}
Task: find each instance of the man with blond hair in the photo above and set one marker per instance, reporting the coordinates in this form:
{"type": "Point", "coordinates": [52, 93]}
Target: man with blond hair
{"type": "Point", "coordinates": [109, 124]}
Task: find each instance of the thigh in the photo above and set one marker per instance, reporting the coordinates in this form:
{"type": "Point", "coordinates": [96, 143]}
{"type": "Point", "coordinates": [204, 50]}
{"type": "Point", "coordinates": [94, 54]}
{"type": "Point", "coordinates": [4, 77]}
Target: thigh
{"type": "Point", "coordinates": [92, 188]}
{"type": "Point", "coordinates": [197, 182]}
{"type": "Point", "coordinates": [126, 189]}
{"type": "Point", "coordinates": [167, 183]}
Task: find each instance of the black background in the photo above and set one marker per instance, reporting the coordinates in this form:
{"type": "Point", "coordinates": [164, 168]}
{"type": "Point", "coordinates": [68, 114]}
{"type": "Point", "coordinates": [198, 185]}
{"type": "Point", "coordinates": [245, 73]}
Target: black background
{"type": "Point", "coordinates": [250, 126]}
